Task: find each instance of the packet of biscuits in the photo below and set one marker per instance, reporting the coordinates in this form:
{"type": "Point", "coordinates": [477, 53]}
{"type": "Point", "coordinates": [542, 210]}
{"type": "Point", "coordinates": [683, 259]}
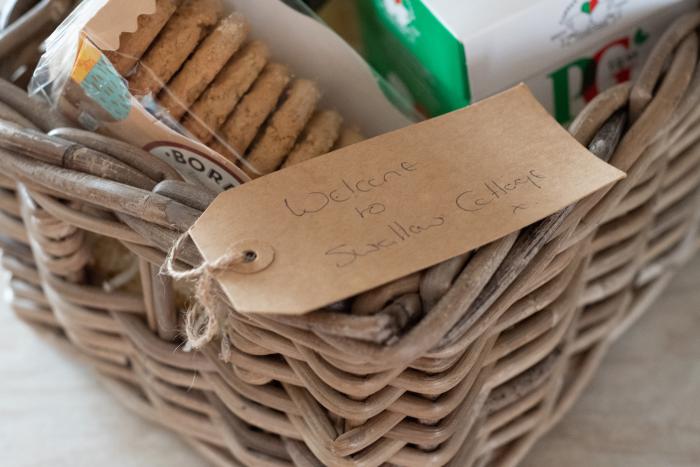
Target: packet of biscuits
{"type": "Point", "coordinates": [223, 90]}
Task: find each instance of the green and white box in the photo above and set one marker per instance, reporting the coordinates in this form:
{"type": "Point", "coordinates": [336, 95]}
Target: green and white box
{"type": "Point", "coordinates": [445, 54]}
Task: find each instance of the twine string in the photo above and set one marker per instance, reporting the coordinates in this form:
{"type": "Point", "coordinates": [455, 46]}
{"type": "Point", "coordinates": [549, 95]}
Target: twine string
{"type": "Point", "coordinates": [201, 321]}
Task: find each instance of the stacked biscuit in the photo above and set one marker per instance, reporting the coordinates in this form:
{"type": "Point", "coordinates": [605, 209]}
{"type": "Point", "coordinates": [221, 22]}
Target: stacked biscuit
{"type": "Point", "coordinates": [223, 89]}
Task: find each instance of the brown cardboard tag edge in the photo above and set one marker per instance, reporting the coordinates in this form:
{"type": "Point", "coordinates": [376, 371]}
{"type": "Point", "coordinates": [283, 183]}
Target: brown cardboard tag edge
{"type": "Point", "coordinates": [501, 165]}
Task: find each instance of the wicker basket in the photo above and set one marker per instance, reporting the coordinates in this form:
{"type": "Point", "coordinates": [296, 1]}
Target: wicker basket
{"type": "Point", "coordinates": [24, 24]}
{"type": "Point", "coordinates": [466, 363]}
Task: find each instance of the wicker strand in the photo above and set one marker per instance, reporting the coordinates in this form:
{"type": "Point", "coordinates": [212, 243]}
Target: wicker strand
{"type": "Point", "coordinates": [123, 278]}
{"type": "Point", "coordinates": [201, 320]}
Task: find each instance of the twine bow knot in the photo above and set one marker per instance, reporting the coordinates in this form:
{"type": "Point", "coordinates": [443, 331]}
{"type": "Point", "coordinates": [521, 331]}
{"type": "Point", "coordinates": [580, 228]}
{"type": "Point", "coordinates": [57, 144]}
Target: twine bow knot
{"type": "Point", "coordinates": [201, 320]}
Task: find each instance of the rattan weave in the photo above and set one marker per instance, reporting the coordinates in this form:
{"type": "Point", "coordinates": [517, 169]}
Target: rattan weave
{"type": "Point", "coordinates": [464, 364]}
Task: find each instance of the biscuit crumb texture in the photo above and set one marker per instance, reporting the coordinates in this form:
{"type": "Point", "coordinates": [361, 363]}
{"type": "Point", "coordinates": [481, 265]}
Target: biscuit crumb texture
{"type": "Point", "coordinates": [283, 128]}
{"type": "Point", "coordinates": [178, 39]}
{"type": "Point", "coordinates": [221, 86]}
{"type": "Point", "coordinates": [204, 64]}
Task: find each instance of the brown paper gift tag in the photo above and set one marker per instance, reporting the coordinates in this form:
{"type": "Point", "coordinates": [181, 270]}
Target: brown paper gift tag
{"type": "Point", "coordinates": [379, 210]}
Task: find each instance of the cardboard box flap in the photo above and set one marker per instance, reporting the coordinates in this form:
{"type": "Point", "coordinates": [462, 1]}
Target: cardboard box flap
{"type": "Point", "coordinates": [115, 18]}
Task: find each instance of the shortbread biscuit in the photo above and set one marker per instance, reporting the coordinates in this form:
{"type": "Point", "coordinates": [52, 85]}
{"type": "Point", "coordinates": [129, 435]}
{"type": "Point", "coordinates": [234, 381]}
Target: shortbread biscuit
{"type": "Point", "coordinates": [283, 129]}
{"type": "Point", "coordinates": [203, 66]}
{"type": "Point", "coordinates": [177, 40]}
{"type": "Point", "coordinates": [132, 45]}
{"type": "Point", "coordinates": [348, 135]}
{"type": "Point", "coordinates": [213, 106]}
{"type": "Point", "coordinates": [318, 137]}
{"type": "Point", "coordinates": [243, 124]}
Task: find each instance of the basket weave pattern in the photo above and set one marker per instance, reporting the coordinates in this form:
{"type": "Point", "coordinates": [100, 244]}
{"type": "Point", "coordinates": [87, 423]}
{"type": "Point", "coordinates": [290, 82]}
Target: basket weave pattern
{"type": "Point", "coordinates": [466, 363]}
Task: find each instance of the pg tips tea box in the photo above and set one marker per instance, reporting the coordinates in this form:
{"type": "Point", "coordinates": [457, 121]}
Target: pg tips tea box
{"type": "Point", "coordinates": [445, 54]}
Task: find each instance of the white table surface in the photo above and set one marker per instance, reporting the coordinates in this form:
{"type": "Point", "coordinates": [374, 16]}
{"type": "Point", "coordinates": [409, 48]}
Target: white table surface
{"type": "Point", "coordinates": [642, 409]}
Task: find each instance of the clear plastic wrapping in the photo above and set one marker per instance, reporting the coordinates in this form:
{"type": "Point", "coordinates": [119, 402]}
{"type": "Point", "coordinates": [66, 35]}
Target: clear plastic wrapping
{"type": "Point", "coordinates": [224, 91]}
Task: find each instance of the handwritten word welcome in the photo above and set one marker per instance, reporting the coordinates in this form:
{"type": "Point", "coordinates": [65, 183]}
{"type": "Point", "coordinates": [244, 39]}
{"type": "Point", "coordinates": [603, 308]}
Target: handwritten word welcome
{"type": "Point", "coordinates": [345, 190]}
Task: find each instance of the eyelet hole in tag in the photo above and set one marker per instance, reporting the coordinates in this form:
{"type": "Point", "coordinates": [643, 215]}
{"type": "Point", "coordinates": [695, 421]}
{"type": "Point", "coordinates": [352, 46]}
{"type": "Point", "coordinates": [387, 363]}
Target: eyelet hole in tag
{"type": "Point", "coordinates": [257, 256]}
